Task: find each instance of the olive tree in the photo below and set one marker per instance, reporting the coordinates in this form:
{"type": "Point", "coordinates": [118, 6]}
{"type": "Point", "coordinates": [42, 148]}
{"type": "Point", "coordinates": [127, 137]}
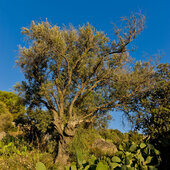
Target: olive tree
{"type": "Point", "coordinates": [78, 75]}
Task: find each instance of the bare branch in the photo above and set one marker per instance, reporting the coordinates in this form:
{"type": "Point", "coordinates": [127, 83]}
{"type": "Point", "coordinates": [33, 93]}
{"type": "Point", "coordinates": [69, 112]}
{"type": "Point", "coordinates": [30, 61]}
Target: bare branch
{"type": "Point", "coordinates": [133, 27]}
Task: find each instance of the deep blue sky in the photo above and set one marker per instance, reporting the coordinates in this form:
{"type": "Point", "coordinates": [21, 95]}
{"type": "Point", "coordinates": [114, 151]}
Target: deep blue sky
{"type": "Point", "coordinates": [15, 14]}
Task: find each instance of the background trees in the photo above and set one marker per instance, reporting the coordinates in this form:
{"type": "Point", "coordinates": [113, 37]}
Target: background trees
{"type": "Point", "coordinates": [155, 107]}
{"type": "Point", "coordinates": [149, 111]}
{"type": "Point", "coordinates": [13, 102]}
{"type": "Point", "coordinates": [152, 112]}
{"type": "Point", "coordinates": [11, 107]}
{"type": "Point", "coordinates": [5, 118]}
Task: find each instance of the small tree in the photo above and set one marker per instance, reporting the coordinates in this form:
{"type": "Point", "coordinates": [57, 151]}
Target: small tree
{"type": "Point", "coordinates": [78, 75]}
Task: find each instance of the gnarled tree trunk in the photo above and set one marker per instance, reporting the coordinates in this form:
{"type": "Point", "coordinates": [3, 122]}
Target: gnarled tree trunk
{"type": "Point", "coordinates": [63, 155]}
{"type": "Point", "coordinates": [65, 140]}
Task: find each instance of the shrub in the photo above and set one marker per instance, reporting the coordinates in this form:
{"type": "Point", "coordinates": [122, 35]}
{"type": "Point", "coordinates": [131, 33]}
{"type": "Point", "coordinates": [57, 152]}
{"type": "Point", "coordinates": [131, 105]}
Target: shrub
{"type": "Point", "coordinates": [130, 156]}
{"type": "Point", "coordinates": [14, 154]}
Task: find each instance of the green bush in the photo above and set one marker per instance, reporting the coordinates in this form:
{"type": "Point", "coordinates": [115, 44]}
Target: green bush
{"type": "Point", "coordinates": [80, 147]}
{"type": "Point", "coordinates": [137, 156]}
{"type": "Point", "coordinates": [117, 137]}
{"type": "Point", "coordinates": [130, 156]}
{"type": "Point", "coordinates": [14, 154]}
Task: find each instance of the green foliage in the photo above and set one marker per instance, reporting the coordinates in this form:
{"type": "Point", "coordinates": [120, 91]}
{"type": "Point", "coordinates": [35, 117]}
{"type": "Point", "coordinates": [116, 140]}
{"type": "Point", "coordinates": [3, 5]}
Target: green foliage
{"type": "Point", "coordinates": [16, 154]}
{"type": "Point", "coordinates": [5, 118]}
{"type": "Point", "coordinates": [154, 118]}
{"type": "Point", "coordinates": [101, 166]}
{"type": "Point", "coordinates": [130, 156]}
{"type": "Point", "coordinates": [36, 118]}
{"type": "Point", "coordinates": [11, 106]}
{"type": "Point", "coordinates": [151, 111]}
{"type": "Point", "coordinates": [73, 166]}
{"type": "Point", "coordinates": [157, 124]}
{"type": "Point", "coordinates": [117, 137]}
{"type": "Point", "coordinates": [92, 163]}
{"type": "Point", "coordinates": [80, 147]}
{"type": "Point", "coordinates": [10, 149]}
{"type": "Point", "coordinates": [80, 150]}
{"type": "Point", "coordinates": [116, 159]}
{"type": "Point", "coordinates": [133, 136]}
{"type": "Point", "coordinates": [113, 135]}
{"type": "Point", "coordinates": [40, 166]}
{"type": "Point", "coordinates": [138, 156]}
{"type": "Point", "coordinates": [40, 133]}
{"type": "Point", "coordinates": [13, 103]}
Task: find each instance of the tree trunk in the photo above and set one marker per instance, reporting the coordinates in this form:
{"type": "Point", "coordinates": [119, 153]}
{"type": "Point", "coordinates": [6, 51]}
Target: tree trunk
{"type": "Point", "coordinates": [63, 155]}
{"type": "Point", "coordinates": [64, 142]}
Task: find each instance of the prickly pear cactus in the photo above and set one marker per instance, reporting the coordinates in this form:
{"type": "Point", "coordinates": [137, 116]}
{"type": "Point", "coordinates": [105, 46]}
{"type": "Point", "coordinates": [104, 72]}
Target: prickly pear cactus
{"type": "Point", "coordinates": [101, 166]}
{"type": "Point", "coordinates": [40, 166]}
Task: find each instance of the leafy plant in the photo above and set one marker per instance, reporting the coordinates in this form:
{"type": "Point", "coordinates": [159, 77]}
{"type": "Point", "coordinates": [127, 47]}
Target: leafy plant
{"type": "Point", "coordinates": [40, 166]}
{"type": "Point", "coordinates": [138, 156]}
{"type": "Point", "coordinates": [130, 156]}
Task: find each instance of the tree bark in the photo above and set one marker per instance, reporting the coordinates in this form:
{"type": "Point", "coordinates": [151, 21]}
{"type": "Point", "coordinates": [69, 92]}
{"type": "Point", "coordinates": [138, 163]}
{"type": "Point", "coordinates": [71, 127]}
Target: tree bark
{"type": "Point", "coordinates": [62, 157]}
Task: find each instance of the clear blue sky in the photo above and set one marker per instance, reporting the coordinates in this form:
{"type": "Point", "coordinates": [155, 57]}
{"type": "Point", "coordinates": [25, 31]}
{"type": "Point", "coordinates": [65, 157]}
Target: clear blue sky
{"type": "Point", "coordinates": [15, 14]}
